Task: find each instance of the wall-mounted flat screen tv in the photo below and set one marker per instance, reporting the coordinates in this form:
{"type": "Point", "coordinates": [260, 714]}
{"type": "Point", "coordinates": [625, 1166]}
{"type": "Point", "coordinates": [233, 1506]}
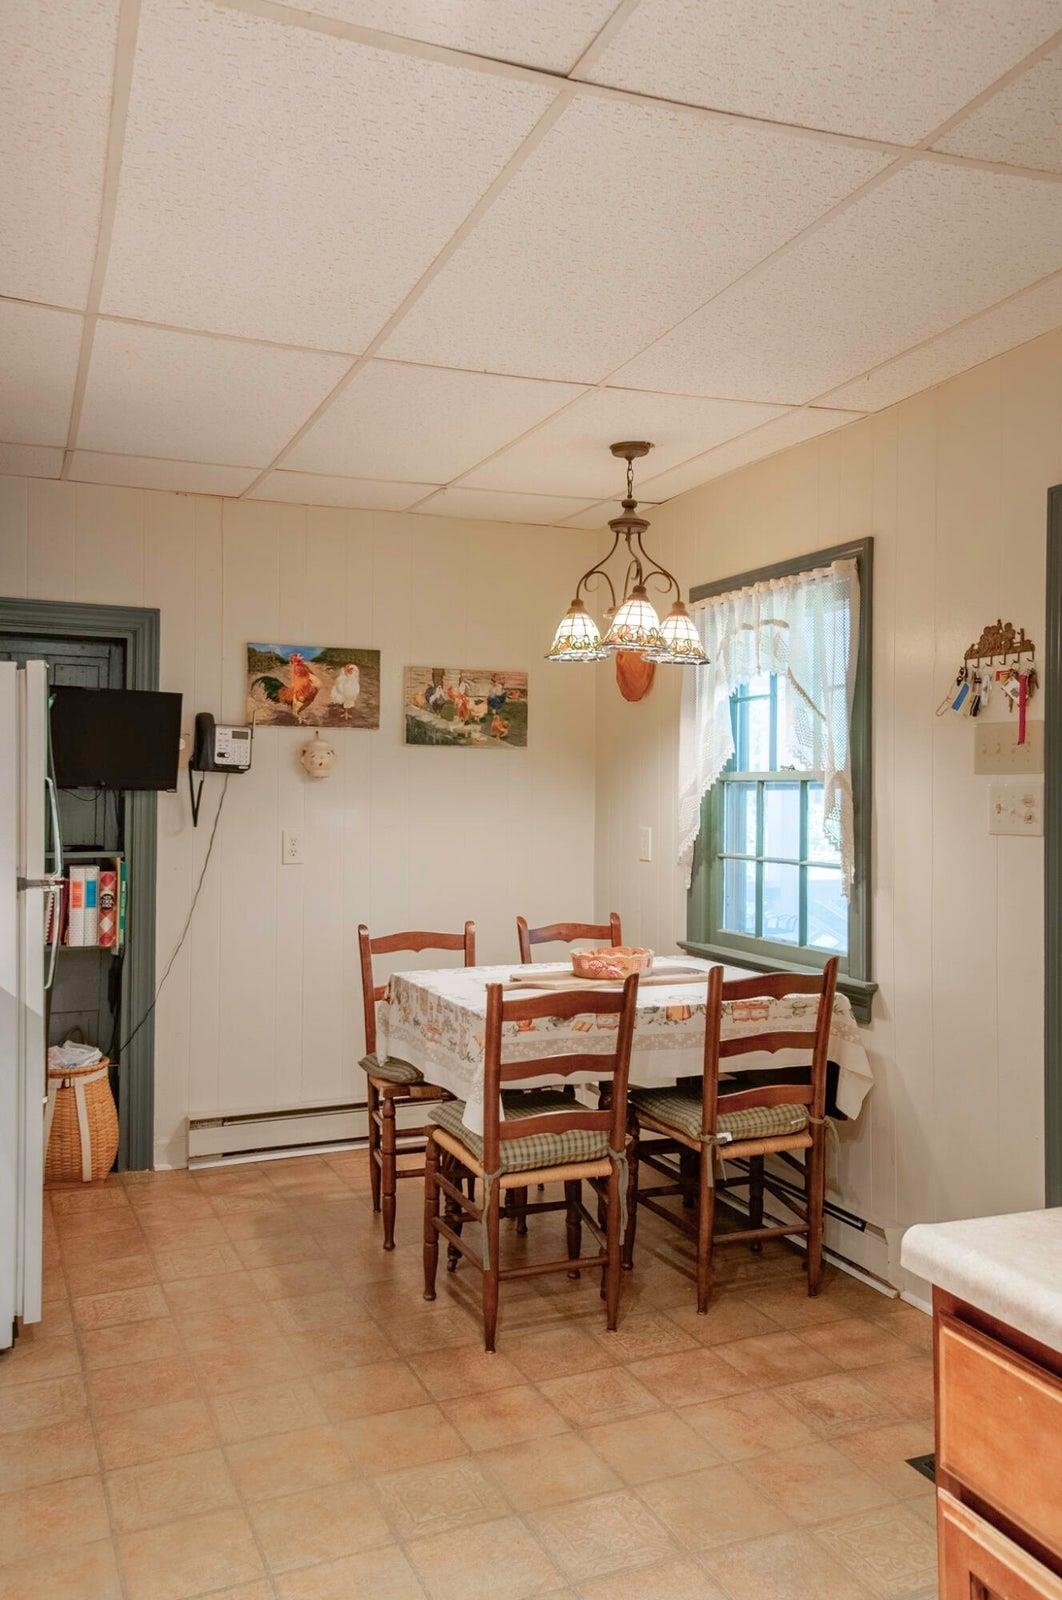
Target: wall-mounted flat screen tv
{"type": "Point", "coordinates": [115, 738]}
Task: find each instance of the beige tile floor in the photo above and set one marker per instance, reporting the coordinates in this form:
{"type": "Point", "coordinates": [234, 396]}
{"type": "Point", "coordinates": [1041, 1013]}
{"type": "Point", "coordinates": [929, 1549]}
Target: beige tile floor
{"type": "Point", "coordinates": [235, 1392]}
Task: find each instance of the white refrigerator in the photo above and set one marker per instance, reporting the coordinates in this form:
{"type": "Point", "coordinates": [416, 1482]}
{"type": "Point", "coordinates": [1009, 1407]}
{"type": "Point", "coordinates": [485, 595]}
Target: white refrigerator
{"type": "Point", "coordinates": [31, 870]}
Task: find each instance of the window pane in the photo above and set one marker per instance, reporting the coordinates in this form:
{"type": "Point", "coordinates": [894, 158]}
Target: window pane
{"type": "Point", "coordinates": [757, 752]}
{"type": "Point", "coordinates": [739, 829]}
{"type": "Point", "coordinates": [781, 903]}
{"type": "Point", "coordinates": [819, 847]}
{"type": "Point", "coordinates": [781, 820]}
{"type": "Point", "coordinates": [739, 897]}
{"type": "Point", "coordinates": [827, 911]}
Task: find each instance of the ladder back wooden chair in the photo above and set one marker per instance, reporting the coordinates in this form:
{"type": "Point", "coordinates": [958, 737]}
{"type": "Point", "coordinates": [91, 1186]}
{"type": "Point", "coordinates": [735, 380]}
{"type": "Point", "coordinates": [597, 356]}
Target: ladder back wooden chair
{"type": "Point", "coordinates": [534, 1137]}
{"type": "Point", "coordinates": [392, 1082]}
{"type": "Point", "coordinates": [566, 933]}
{"type": "Point", "coordinates": [754, 1117]}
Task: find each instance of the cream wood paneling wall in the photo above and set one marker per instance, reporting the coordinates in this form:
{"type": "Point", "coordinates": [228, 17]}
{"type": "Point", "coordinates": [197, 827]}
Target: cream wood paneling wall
{"type": "Point", "coordinates": [952, 484]}
{"type": "Point", "coordinates": [262, 1009]}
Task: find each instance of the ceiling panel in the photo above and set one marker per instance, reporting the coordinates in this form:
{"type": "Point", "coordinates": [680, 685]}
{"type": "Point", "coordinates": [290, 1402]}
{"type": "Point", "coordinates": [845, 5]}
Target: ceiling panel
{"type": "Point", "coordinates": [868, 67]}
{"type": "Point", "coordinates": [56, 66]}
{"type": "Point", "coordinates": [283, 184]}
{"type": "Point", "coordinates": [1021, 125]}
{"type": "Point", "coordinates": [187, 397]}
{"type": "Point", "coordinates": [38, 366]}
{"type": "Point", "coordinates": [926, 248]}
{"type": "Point", "coordinates": [569, 455]}
{"type": "Point", "coordinates": [139, 472]}
{"type": "Point", "coordinates": [793, 428]}
{"type": "Point", "coordinates": [497, 506]}
{"type": "Point", "coordinates": [1025, 317]}
{"type": "Point", "coordinates": [623, 219]}
{"type": "Point", "coordinates": [322, 489]}
{"type": "Point", "coordinates": [31, 460]}
{"type": "Point", "coordinates": [423, 423]}
{"type": "Point", "coordinates": [536, 33]}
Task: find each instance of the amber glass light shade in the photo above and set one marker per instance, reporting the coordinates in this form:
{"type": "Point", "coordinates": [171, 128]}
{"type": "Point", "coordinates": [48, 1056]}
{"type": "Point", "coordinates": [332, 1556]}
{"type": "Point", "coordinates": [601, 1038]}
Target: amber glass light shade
{"type": "Point", "coordinates": [635, 626]}
{"type": "Point", "coordinates": [680, 643]}
{"type": "Point", "coordinates": [577, 637]}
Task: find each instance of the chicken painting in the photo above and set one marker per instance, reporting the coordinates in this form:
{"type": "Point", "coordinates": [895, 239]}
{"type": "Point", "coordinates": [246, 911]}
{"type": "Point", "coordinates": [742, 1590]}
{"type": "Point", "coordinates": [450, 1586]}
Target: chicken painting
{"type": "Point", "coordinates": [346, 691]}
{"type": "Point", "coordinates": [466, 707]}
{"type": "Point", "coordinates": [313, 685]}
{"type": "Point", "coordinates": [300, 693]}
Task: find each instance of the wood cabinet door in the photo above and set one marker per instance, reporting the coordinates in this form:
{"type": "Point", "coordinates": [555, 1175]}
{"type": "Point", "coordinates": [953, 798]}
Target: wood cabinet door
{"type": "Point", "coordinates": [977, 1562]}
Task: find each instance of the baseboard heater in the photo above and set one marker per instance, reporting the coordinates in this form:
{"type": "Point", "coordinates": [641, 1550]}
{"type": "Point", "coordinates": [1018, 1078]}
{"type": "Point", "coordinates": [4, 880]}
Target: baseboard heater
{"type": "Point", "coordinates": [244, 1132]}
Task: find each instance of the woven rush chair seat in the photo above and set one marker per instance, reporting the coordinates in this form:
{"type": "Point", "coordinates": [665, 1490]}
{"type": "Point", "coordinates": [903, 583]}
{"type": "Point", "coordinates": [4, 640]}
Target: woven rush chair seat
{"type": "Point", "coordinates": [680, 1108]}
{"type": "Point", "coordinates": [571, 1148]}
{"type": "Point", "coordinates": [391, 1069]}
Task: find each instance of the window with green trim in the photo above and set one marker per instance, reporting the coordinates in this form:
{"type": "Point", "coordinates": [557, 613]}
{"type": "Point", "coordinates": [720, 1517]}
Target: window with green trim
{"type": "Point", "coordinates": [767, 888]}
{"type": "Point", "coordinates": [778, 876]}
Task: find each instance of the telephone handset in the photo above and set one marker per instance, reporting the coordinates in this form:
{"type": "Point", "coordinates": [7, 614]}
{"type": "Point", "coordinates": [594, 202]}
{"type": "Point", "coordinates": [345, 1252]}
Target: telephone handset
{"type": "Point", "coordinates": [217, 747]}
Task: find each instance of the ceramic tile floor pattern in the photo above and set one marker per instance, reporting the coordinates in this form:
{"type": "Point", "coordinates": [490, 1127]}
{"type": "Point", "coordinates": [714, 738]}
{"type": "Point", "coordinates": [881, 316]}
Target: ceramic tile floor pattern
{"type": "Point", "coordinates": [235, 1392]}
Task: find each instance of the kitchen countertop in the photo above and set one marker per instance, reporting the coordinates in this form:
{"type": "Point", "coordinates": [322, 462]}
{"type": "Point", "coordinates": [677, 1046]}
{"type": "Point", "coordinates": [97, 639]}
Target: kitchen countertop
{"type": "Point", "coordinates": [1009, 1267]}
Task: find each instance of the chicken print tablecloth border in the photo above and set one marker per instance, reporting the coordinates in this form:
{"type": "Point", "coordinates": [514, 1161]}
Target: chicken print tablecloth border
{"type": "Point", "coordinates": [435, 1019]}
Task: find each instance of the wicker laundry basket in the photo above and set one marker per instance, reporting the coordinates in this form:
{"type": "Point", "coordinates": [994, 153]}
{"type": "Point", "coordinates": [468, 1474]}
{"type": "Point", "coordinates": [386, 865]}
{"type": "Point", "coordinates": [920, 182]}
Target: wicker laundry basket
{"type": "Point", "coordinates": [81, 1124]}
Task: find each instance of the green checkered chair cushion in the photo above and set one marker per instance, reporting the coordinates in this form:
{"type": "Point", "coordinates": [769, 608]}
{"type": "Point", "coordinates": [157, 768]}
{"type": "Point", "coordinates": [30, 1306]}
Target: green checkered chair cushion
{"type": "Point", "coordinates": [391, 1069]}
{"type": "Point", "coordinates": [538, 1149]}
{"type": "Point", "coordinates": [681, 1109]}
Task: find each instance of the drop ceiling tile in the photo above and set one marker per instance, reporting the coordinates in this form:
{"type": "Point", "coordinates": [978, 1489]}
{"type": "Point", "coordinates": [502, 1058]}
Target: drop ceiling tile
{"type": "Point", "coordinates": [38, 366]}
{"type": "Point", "coordinates": [548, 33]}
{"type": "Point", "coordinates": [928, 247]}
{"type": "Point", "coordinates": [496, 506]}
{"type": "Point", "coordinates": [423, 423]}
{"type": "Point", "coordinates": [1025, 317]}
{"type": "Point", "coordinates": [138, 472]}
{"type": "Point", "coordinates": [794, 428]}
{"type": "Point", "coordinates": [868, 67]}
{"type": "Point", "coordinates": [1022, 124]}
{"type": "Point", "coordinates": [187, 397]}
{"type": "Point", "coordinates": [321, 489]}
{"type": "Point", "coordinates": [56, 67]}
{"type": "Point", "coordinates": [280, 183]}
{"type": "Point", "coordinates": [622, 220]}
{"type": "Point", "coordinates": [31, 460]}
{"type": "Point", "coordinates": [569, 455]}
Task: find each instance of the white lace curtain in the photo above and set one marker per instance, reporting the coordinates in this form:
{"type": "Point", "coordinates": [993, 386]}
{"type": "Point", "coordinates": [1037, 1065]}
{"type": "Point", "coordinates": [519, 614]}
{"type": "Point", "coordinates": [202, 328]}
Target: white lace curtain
{"type": "Point", "coordinates": [806, 629]}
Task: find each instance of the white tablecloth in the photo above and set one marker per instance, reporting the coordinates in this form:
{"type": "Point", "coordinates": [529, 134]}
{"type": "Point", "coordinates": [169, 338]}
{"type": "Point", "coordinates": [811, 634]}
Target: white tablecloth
{"type": "Point", "coordinates": [436, 1019]}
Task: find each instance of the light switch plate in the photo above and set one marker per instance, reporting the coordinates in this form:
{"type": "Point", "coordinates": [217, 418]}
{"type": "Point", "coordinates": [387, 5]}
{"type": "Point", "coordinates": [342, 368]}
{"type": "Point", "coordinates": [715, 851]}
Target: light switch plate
{"type": "Point", "coordinates": [645, 844]}
{"type": "Point", "coordinates": [1016, 807]}
{"type": "Point", "coordinates": [996, 747]}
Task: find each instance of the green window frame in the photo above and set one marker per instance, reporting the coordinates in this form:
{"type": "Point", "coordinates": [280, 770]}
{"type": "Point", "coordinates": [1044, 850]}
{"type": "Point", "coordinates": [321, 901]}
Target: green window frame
{"type": "Point", "coordinates": [746, 870]}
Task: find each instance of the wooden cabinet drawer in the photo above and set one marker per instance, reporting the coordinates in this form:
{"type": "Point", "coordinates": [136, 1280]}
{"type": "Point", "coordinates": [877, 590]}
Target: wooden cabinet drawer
{"type": "Point", "coordinates": [999, 1429]}
{"type": "Point", "coordinates": [978, 1563]}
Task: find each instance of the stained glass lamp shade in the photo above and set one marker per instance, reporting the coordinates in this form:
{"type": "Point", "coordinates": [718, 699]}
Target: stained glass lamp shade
{"type": "Point", "coordinates": [680, 643]}
{"type": "Point", "coordinates": [635, 626]}
{"type": "Point", "coordinates": [577, 637]}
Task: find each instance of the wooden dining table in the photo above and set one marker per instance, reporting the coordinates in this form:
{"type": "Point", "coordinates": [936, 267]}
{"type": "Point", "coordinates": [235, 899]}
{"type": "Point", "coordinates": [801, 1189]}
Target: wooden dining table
{"type": "Point", "coordinates": [436, 1019]}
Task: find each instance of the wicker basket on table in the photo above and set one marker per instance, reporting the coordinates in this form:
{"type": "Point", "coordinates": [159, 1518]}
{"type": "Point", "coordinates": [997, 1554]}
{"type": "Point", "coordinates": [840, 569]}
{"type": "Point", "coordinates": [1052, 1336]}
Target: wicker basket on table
{"type": "Point", "coordinates": [81, 1124]}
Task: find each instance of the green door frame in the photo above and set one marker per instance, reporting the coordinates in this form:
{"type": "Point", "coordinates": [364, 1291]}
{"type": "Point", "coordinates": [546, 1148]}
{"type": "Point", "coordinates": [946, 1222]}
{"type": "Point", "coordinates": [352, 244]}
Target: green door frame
{"type": "Point", "coordinates": [1052, 675]}
{"type": "Point", "coordinates": [138, 629]}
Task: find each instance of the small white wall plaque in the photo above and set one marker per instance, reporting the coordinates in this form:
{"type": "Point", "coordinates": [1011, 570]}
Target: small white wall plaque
{"type": "Point", "coordinates": [1016, 807]}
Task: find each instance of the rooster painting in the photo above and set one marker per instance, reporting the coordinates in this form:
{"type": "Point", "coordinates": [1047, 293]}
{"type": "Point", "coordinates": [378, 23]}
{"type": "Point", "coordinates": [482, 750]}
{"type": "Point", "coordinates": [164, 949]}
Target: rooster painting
{"type": "Point", "coordinates": [313, 686]}
{"type": "Point", "coordinates": [298, 694]}
{"type": "Point", "coordinates": [463, 706]}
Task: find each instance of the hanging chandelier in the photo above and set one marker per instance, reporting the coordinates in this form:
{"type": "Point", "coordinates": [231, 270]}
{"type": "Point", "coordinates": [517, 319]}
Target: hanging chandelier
{"type": "Point", "coordinates": [633, 623]}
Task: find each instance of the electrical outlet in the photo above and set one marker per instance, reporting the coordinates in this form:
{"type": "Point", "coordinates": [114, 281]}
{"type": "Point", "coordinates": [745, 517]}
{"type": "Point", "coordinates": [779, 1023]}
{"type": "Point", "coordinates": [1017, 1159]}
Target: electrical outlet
{"type": "Point", "coordinates": [291, 849]}
{"type": "Point", "coordinates": [645, 844]}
